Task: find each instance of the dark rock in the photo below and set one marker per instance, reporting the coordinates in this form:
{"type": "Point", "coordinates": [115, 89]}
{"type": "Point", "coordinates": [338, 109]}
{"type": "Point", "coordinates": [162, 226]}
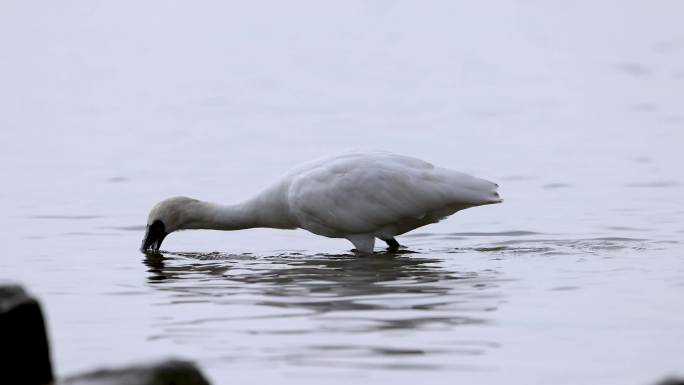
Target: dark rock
{"type": "Point", "coordinates": [672, 381]}
{"type": "Point", "coordinates": [24, 349]}
{"type": "Point", "coordinates": [170, 372]}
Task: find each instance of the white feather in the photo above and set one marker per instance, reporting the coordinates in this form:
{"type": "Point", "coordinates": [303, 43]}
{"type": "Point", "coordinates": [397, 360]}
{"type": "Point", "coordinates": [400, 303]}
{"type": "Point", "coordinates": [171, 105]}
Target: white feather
{"type": "Point", "coordinates": [358, 196]}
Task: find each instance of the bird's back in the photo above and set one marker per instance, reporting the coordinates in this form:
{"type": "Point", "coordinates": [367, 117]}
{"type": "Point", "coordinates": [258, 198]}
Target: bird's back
{"type": "Point", "coordinates": [378, 192]}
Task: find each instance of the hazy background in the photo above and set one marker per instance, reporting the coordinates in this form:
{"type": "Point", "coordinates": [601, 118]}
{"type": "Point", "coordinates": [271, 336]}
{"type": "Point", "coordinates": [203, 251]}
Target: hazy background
{"type": "Point", "coordinates": [100, 90]}
{"type": "Point", "coordinates": [575, 108]}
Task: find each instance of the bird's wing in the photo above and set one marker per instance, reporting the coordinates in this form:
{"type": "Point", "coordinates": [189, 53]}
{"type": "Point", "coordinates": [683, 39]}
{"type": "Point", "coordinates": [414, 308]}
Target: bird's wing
{"type": "Point", "coordinates": [352, 195]}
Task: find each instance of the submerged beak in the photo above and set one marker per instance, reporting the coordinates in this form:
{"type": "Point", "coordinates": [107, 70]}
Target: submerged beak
{"type": "Point", "coordinates": [154, 236]}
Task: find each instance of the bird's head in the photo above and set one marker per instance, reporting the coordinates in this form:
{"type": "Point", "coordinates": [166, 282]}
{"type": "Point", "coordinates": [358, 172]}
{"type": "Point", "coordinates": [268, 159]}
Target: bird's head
{"type": "Point", "coordinates": [166, 217]}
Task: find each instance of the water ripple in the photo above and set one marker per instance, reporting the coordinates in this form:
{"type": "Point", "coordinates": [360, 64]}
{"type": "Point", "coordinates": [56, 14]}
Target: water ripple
{"type": "Point", "coordinates": [344, 297]}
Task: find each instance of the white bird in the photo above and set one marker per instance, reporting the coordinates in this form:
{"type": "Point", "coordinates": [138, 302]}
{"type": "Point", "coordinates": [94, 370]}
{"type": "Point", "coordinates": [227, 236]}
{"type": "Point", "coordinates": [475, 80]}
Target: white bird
{"type": "Point", "coordinates": [358, 196]}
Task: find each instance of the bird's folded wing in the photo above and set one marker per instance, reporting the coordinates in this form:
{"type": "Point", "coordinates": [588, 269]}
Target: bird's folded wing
{"type": "Point", "coordinates": [359, 199]}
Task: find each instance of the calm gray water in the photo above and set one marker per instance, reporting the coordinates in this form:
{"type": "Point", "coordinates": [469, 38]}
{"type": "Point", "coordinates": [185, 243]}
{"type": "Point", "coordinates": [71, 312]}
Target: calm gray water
{"type": "Point", "coordinates": [575, 109]}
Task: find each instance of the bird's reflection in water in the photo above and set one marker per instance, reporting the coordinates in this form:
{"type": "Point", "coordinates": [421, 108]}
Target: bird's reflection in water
{"type": "Point", "coordinates": [339, 297]}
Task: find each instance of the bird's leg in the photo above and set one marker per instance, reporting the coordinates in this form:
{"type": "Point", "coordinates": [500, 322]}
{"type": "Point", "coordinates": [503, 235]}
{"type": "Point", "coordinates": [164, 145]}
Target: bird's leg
{"type": "Point", "coordinates": [392, 244]}
{"type": "Point", "coordinates": [363, 242]}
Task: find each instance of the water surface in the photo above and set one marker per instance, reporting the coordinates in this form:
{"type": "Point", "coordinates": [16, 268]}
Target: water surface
{"type": "Point", "coordinates": [574, 109]}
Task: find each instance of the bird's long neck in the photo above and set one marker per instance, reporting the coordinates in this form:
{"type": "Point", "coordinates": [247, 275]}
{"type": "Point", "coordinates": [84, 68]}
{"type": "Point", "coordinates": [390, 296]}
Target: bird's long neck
{"type": "Point", "coordinates": [249, 214]}
{"type": "Point", "coordinates": [212, 216]}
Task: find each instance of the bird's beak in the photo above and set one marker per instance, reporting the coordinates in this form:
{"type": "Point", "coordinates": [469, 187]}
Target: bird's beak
{"type": "Point", "coordinates": [154, 236]}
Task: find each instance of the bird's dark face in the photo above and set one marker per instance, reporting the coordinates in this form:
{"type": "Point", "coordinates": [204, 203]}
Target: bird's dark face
{"type": "Point", "coordinates": [154, 236]}
{"type": "Point", "coordinates": [166, 217]}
